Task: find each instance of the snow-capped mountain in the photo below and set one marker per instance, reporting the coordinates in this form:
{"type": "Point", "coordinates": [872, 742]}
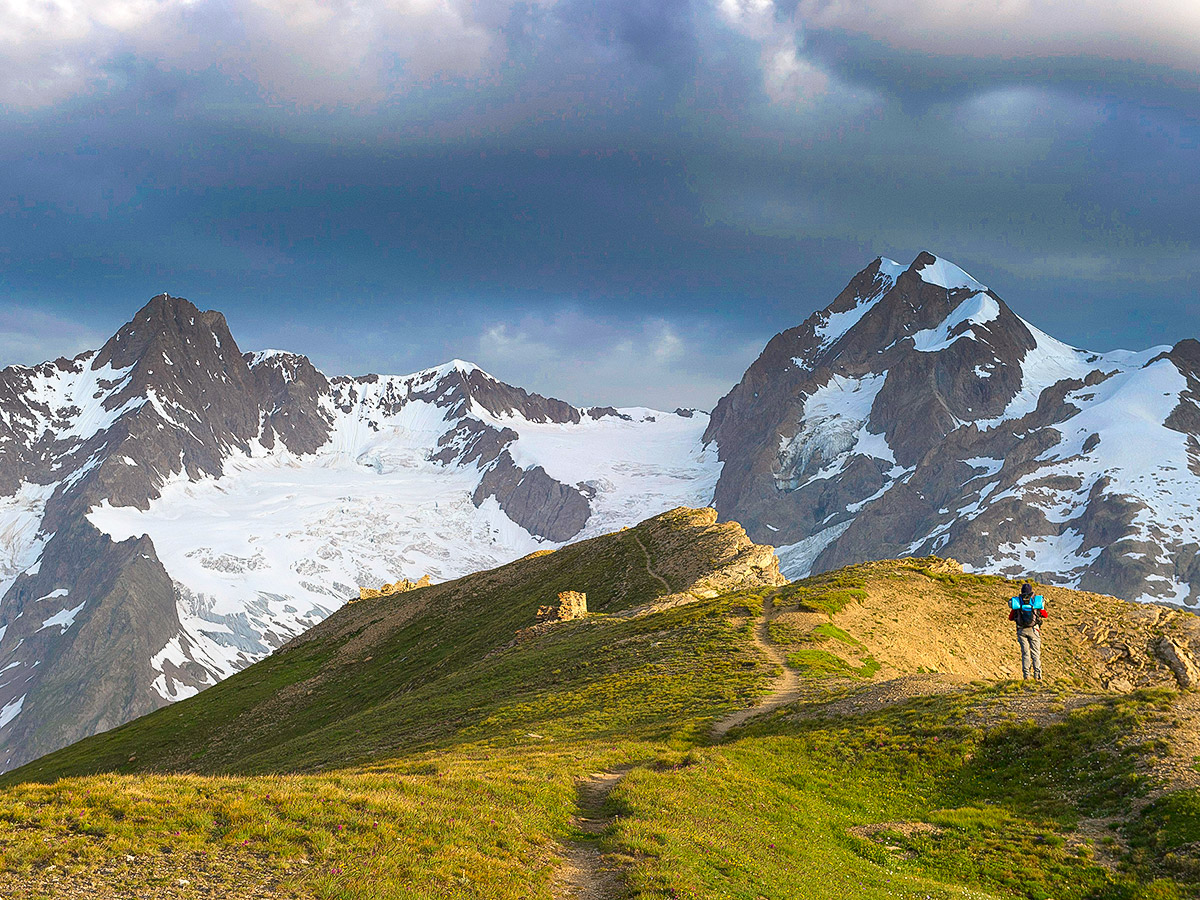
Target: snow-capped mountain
{"type": "Point", "coordinates": [918, 414]}
{"type": "Point", "coordinates": [174, 509]}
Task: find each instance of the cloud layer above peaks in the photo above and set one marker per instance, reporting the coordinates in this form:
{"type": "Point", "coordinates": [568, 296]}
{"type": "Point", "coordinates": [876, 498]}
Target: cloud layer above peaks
{"type": "Point", "coordinates": [719, 167]}
{"type": "Point", "coordinates": [362, 51]}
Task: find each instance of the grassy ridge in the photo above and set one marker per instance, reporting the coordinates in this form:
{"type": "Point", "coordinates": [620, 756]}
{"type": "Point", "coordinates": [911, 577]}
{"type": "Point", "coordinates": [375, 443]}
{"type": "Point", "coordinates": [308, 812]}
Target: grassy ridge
{"type": "Point", "coordinates": [416, 748]}
{"type": "Point", "coordinates": [428, 668]}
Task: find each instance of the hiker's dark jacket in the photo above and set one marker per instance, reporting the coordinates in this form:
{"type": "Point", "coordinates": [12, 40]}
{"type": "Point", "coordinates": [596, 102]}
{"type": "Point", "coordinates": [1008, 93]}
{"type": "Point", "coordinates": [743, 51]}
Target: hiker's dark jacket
{"type": "Point", "coordinates": [1042, 614]}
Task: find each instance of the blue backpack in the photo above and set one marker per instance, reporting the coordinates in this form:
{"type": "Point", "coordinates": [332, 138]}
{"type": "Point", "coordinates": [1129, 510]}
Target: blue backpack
{"type": "Point", "coordinates": [1026, 609]}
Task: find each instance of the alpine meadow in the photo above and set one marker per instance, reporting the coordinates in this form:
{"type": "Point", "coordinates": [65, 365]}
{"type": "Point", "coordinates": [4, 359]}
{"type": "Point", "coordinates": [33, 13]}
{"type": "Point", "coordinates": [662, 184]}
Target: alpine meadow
{"type": "Point", "coordinates": [706, 729]}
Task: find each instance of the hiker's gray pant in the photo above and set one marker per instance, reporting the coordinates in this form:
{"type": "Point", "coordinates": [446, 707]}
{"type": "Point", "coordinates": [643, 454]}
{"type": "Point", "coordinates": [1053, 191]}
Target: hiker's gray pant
{"type": "Point", "coordinates": [1030, 640]}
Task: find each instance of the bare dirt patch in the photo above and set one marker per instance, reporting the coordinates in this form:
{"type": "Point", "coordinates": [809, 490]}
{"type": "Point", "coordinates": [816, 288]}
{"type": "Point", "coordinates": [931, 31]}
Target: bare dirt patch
{"type": "Point", "coordinates": [880, 695]}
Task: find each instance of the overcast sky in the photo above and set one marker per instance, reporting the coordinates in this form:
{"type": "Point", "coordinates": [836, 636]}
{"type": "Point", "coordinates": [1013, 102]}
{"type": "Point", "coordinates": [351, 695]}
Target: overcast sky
{"type": "Point", "coordinates": [613, 201]}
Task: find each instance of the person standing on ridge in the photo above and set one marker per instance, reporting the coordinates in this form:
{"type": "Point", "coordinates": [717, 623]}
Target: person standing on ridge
{"type": "Point", "coordinates": [1028, 610]}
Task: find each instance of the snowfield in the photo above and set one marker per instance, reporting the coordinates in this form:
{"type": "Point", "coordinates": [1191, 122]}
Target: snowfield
{"type": "Point", "coordinates": [278, 542]}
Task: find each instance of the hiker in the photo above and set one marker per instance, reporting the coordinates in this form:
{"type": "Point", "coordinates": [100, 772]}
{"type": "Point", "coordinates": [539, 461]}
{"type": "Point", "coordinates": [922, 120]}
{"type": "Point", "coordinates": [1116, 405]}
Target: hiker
{"type": "Point", "coordinates": [1028, 610]}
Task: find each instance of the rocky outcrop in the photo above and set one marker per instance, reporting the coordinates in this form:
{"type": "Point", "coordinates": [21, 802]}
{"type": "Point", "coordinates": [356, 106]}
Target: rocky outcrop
{"type": "Point", "coordinates": [403, 586]}
{"type": "Point", "coordinates": [731, 562]}
{"type": "Point", "coordinates": [1179, 659]}
{"type": "Point", "coordinates": [541, 505]}
{"type": "Point", "coordinates": [570, 605]}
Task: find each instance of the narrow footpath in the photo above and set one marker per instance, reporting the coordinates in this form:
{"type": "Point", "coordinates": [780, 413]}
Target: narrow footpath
{"type": "Point", "coordinates": [649, 569]}
{"type": "Point", "coordinates": [584, 875]}
{"type": "Point", "coordinates": [786, 688]}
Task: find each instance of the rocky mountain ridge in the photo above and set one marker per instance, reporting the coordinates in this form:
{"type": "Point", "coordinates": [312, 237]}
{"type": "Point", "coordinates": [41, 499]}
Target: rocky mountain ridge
{"type": "Point", "coordinates": [918, 414]}
{"type": "Point", "coordinates": [118, 595]}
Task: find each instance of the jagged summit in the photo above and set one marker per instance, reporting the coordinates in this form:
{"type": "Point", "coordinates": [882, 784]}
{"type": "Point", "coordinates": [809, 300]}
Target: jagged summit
{"type": "Point", "coordinates": [168, 323]}
{"type": "Point", "coordinates": [917, 413]}
{"type": "Point", "coordinates": [176, 502]}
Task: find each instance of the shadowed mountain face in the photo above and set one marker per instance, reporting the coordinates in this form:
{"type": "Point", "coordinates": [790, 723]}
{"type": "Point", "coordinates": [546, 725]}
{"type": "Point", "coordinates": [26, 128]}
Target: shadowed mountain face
{"type": "Point", "coordinates": [918, 414]}
{"type": "Point", "coordinates": [172, 509]}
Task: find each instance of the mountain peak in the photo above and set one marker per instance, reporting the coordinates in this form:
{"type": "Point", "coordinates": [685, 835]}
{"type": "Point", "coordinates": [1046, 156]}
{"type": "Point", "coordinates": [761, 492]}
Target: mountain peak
{"type": "Point", "coordinates": [463, 366]}
{"type": "Point", "coordinates": [167, 322]}
{"type": "Point", "coordinates": [167, 302]}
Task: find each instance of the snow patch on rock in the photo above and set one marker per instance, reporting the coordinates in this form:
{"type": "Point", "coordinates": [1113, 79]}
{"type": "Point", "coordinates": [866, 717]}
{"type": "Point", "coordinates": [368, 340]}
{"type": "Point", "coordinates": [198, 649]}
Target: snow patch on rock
{"type": "Point", "coordinates": [833, 429]}
{"type": "Point", "coordinates": [64, 618]}
{"type": "Point", "coordinates": [796, 560]}
{"type": "Point", "coordinates": [976, 310]}
{"type": "Point", "coordinates": [11, 710]}
{"type": "Point", "coordinates": [946, 274]}
{"type": "Point", "coordinates": [21, 542]}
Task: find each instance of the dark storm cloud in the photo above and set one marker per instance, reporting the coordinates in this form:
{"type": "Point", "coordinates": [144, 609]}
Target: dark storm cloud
{"type": "Point", "coordinates": [489, 179]}
{"type": "Point", "coordinates": [919, 78]}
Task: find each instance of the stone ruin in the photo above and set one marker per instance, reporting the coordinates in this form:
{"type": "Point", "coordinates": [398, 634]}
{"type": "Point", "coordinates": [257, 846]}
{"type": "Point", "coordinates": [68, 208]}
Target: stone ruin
{"type": "Point", "coordinates": [387, 590]}
{"type": "Point", "coordinates": [571, 605]}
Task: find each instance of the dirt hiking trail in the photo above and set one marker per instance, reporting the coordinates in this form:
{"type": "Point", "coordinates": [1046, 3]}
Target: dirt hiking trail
{"type": "Point", "coordinates": [786, 688]}
{"type": "Point", "coordinates": [585, 874]}
{"type": "Point", "coordinates": [649, 569]}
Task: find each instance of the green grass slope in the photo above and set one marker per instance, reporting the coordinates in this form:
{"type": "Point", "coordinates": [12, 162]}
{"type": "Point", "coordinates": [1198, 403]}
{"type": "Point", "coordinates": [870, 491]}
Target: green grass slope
{"type": "Point", "coordinates": [442, 665]}
{"type": "Point", "coordinates": [434, 745]}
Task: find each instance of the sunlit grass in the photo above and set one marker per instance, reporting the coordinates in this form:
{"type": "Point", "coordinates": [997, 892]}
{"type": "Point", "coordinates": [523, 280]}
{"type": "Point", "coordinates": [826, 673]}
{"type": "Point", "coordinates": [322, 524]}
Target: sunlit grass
{"type": "Point", "coordinates": [476, 822]}
{"type": "Point", "coordinates": [442, 759]}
